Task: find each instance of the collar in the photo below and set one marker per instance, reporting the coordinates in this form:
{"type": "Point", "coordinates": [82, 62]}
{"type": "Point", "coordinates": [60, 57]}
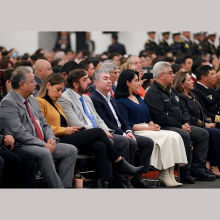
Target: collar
{"type": "Point", "coordinates": [210, 42]}
{"type": "Point", "coordinates": [22, 98]}
{"type": "Point", "coordinates": [167, 89]}
{"type": "Point", "coordinates": [186, 39]}
{"type": "Point", "coordinates": [193, 75]}
{"type": "Point", "coordinates": [39, 78]}
{"type": "Point", "coordinates": [108, 97]}
{"type": "Point", "coordinates": [164, 40]}
{"type": "Point", "coordinates": [76, 94]}
{"type": "Point", "coordinates": [196, 41]}
{"type": "Point", "coordinates": [202, 85]}
{"type": "Point", "coordinates": [151, 39]}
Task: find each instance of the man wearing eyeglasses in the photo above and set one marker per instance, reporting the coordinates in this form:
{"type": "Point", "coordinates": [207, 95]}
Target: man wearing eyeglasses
{"type": "Point", "coordinates": [167, 110]}
{"type": "Point", "coordinates": [21, 114]}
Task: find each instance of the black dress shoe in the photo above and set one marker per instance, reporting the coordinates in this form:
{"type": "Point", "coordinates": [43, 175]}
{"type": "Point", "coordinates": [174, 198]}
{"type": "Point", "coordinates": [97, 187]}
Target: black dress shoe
{"type": "Point", "coordinates": [116, 184]}
{"type": "Point", "coordinates": [209, 171]}
{"type": "Point", "coordinates": [141, 185]}
{"type": "Point", "coordinates": [128, 184]}
{"type": "Point", "coordinates": [99, 184]}
{"type": "Point", "coordinates": [187, 179]}
{"type": "Point", "coordinates": [204, 176]}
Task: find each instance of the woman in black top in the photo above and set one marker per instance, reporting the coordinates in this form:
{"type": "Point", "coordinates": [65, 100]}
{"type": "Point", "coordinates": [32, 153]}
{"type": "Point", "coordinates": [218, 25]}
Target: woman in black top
{"type": "Point", "coordinates": [5, 83]}
{"type": "Point", "coordinates": [183, 84]}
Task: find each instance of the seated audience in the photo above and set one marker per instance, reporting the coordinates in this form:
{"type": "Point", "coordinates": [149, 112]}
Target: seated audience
{"type": "Point", "coordinates": [80, 112]}
{"type": "Point", "coordinates": [168, 112]}
{"type": "Point", "coordinates": [183, 85]}
{"type": "Point", "coordinates": [169, 147]}
{"type": "Point", "coordinates": [49, 55]}
{"type": "Point", "coordinates": [208, 97]}
{"type": "Point", "coordinates": [88, 67]}
{"type": "Point", "coordinates": [115, 57]}
{"type": "Point", "coordinates": [106, 107]}
{"type": "Point", "coordinates": [97, 63]}
{"type": "Point", "coordinates": [5, 82]}
{"type": "Point", "coordinates": [33, 134]}
{"type": "Point", "coordinates": [187, 63]}
{"type": "Point", "coordinates": [176, 68]}
{"type": "Point", "coordinates": [22, 63]}
{"type": "Point", "coordinates": [41, 71]}
{"type": "Point", "coordinates": [6, 64]}
{"type": "Point", "coordinates": [96, 142]}
{"type": "Point", "coordinates": [127, 66]}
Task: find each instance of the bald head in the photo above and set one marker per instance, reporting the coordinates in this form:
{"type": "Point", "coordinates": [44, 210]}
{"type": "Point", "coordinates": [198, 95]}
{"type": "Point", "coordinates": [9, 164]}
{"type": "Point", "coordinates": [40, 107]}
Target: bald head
{"type": "Point", "coordinates": [42, 69]}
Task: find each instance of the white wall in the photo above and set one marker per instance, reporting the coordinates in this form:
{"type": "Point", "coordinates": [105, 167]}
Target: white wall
{"type": "Point", "coordinates": [22, 41]}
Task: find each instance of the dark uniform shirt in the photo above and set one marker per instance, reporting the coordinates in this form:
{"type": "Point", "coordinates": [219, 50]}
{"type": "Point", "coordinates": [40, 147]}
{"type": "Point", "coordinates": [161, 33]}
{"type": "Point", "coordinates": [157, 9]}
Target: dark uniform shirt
{"type": "Point", "coordinates": [165, 107]}
{"type": "Point", "coordinates": [163, 48]}
{"type": "Point", "coordinates": [197, 48]}
{"type": "Point", "coordinates": [187, 46]}
{"type": "Point", "coordinates": [151, 46]}
{"type": "Point", "coordinates": [179, 47]}
{"type": "Point", "coordinates": [209, 48]}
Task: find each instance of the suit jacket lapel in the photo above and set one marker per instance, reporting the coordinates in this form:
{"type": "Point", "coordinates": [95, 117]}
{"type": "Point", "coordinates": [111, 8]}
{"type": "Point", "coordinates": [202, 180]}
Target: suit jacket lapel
{"type": "Point", "coordinates": [19, 102]}
{"type": "Point", "coordinates": [77, 102]}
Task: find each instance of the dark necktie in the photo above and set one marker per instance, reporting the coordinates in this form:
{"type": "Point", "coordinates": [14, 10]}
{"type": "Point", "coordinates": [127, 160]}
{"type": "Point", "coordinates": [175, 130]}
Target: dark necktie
{"type": "Point", "coordinates": [37, 128]}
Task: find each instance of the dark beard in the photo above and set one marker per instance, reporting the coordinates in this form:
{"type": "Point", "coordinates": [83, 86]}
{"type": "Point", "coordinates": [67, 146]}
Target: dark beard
{"type": "Point", "coordinates": [83, 91]}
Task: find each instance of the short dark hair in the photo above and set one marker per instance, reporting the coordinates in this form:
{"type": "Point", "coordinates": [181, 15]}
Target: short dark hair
{"type": "Point", "coordinates": [168, 59]}
{"type": "Point", "coordinates": [175, 67]}
{"type": "Point", "coordinates": [84, 64]}
{"type": "Point", "coordinates": [112, 55]}
{"type": "Point", "coordinates": [95, 62]}
{"type": "Point", "coordinates": [203, 70]}
{"type": "Point", "coordinates": [19, 75]}
{"type": "Point", "coordinates": [74, 76]}
{"type": "Point", "coordinates": [6, 75]}
{"type": "Point", "coordinates": [115, 37]}
{"type": "Point", "coordinates": [57, 68]}
{"type": "Point", "coordinates": [122, 88]}
{"type": "Point", "coordinates": [67, 51]}
{"type": "Point", "coordinates": [22, 63]}
{"type": "Point", "coordinates": [197, 63]}
{"type": "Point", "coordinates": [69, 66]}
{"type": "Point", "coordinates": [184, 58]}
{"type": "Point", "coordinates": [179, 60]}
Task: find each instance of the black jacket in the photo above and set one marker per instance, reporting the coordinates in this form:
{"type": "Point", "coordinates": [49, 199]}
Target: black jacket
{"type": "Point", "coordinates": [151, 46]}
{"type": "Point", "coordinates": [166, 109]}
{"type": "Point", "coordinates": [104, 111]}
{"type": "Point", "coordinates": [117, 48]}
{"type": "Point", "coordinates": [197, 116]}
{"type": "Point", "coordinates": [209, 100]}
{"type": "Point", "coordinates": [163, 48]}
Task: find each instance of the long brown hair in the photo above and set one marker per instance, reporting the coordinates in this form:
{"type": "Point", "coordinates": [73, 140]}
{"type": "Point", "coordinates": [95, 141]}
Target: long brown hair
{"type": "Point", "coordinates": [53, 79]}
{"type": "Point", "coordinates": [180, 77]}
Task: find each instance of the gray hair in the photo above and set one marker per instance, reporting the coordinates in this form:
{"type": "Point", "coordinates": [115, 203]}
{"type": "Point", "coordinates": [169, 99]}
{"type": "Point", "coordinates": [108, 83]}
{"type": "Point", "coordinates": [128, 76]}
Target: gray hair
{"type": "Point", "coordinates": [58, 55]}
{"type": "Point", "coordinates": [19, 75]}
{"type": "Point", "coordinates": [49, 51]}
{"type": "Point", "coordinates": [97, 74]}
{"type": "Point", "coordinates": [129, 58]}
{"type": "Point", "coordinates": [108, 67]}
{"type": "Point", "coordinates": [160, 67]}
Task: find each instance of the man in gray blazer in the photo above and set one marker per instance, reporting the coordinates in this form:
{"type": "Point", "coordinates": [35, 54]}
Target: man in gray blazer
{"type": "Point", "coordinates": [21, 114]}
{"type": "Point", "coordinates": [79, 111]}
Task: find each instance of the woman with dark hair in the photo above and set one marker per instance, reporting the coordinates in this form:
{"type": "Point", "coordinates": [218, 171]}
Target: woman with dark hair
{"type": "Point", "coordinates": [89, 141]}
{"type": "Point", "coordinates": [183, 83]}
{"type": "Point", "coordinates": [169, 148]}
{"type": "Point", "coordinates": [6, 64]}
{"type": "Point", "coordinates": [5, 83]}
{"type": "Point", "coordinates": [176, 68]}
{"type": "Point", "coordinates": [96, 63]}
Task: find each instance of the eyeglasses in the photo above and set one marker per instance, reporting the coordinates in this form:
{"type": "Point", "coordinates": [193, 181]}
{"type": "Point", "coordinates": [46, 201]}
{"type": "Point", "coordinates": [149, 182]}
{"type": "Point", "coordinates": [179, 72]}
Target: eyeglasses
{"type": "Point", "coordinates": [31, 82]}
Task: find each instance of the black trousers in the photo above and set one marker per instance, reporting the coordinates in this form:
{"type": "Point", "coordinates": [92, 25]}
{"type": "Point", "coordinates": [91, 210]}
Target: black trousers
{"type": "Point", "coordinates": [19, 169]}
{"type": "Point", "coordinates": [96, 143]}
{"type": "Point", "coordinates": [1, 168]}
{"type": "Point", "coordinates": [197, 157]}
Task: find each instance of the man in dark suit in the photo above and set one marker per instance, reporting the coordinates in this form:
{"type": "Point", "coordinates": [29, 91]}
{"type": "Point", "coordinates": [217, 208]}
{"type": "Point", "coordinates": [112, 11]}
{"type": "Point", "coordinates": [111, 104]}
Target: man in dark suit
{"type": "Point", "coordinates": [106, 107]}
{"type": "Point", "coordinates": [32, 133]}
{"type": "Point", "coordinates": [208, 98]}
{"type": "Point", "coordinates": [151, 45]}
{"type": "Point", "coordinates": [116, 47]}
{"type": "Point", "coordinates": [41, 70]}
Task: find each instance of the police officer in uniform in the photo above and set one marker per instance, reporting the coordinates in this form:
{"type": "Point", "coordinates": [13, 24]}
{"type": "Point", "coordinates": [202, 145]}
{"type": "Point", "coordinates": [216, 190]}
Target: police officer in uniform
{"type": "Point", "coordinates": [218, 50]}
{"type": "Point", "coordinates": [197, 49]}
{"type": "Point", "coordinates": [208, 46]}
{"type": "Point", "coordinates": [151, 45]}
{"type": "Point", "coordinates": [163, 46]}
{"type": "Point", "coordinates": [186, 40]}
{"type": "Point", "coordinates": [178, 46]}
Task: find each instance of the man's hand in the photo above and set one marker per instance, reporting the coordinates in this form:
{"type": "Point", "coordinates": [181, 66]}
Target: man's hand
{"type": "Point", "coordinates": [109, 134]}
{"type": "Point", "coordinates": [9, 141]}
{"type": "Point", "coordinates": [210, 125]}
{"type": "Point", "coordinates": [186, 127]}
{"type": "Point", "coordinates": [49, 147]}
{"type": "Point", "coordinates": [140, 78]}
{"type": "Point", "coordinates": [130, 135]}
{"type": "Point", "coordinates": [53, 143]}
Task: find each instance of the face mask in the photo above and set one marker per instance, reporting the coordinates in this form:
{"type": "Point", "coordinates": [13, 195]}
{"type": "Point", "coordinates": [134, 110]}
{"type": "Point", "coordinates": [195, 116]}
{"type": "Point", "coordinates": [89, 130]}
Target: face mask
{"type": "Point", "coordinates": [14, 55]}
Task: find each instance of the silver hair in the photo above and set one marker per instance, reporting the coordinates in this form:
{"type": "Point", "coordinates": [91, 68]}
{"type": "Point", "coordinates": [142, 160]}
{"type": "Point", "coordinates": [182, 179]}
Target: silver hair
{"type": "Point", "coordinates": [58, 55]}
{"type": "Point", "coordinates": [109, 67]}
{"type": "Point", "coordinates": [97, 74]}
{"type": "Point", "coordinates": [49, 51]}
{"type": "Point", "coordinates": [129, 58]}
{"type": "Point", "coordinates": [19, 75]}
{"type": "Point", "coordinates": [160, 67]}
